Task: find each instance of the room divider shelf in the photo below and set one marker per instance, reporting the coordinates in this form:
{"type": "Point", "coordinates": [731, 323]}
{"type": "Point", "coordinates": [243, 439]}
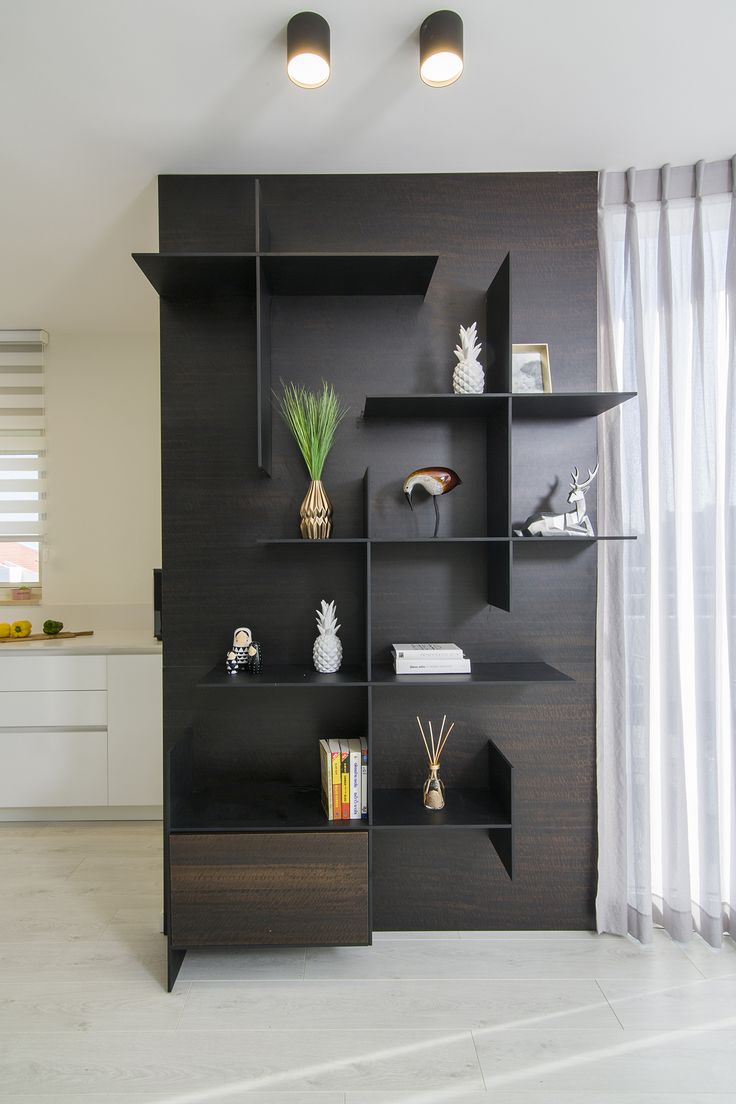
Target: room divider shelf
{"type": "Point", "coordinates": [482, 674]}
{"type": "Point", "coordinates": [348, 273]}
{"type": "Point", "coordinates": [230, 246]}
{"type": "Point", "coordinates": [281, 676]}
{"type": "Point", "coordinates": [256, 806]}
{"type": "Point", "coordinates": [582, 404]}
{"type": "Point", "coordinates": [188, 275]}
{"type": "Point", "coordinates": [465, 808]}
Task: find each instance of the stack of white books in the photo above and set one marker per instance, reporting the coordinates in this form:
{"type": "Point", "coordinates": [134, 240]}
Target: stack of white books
{"type": "Point", "coordinates": [429, 659]}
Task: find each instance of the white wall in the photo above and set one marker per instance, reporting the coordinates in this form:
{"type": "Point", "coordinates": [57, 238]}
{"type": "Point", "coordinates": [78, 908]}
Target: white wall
{"type": "Point", "coordinates": [104, 497]}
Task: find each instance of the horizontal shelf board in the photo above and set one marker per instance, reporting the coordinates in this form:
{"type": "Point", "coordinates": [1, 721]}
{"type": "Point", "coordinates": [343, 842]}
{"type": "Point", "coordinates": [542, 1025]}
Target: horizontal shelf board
{"type": "Point", "coordinates": [581, 404]}
{"type": "Point", "coordinates": [570, 540]}
{"type": "Point", "coordinates": [303, 542]}
{"type": "Point", "coordinates": [571, 404]}
{"type": "Point", "coordinates": [436, 540]}
{"type": "Point", "coordinates": [254, 807]}
{"type": "Point", "coordinates": [283, 675]}
{"type": "Point", "coordinates": [432, 406]}
{"type": "Point", "coordinates": [348, 273]}
{"type": "Point", "coordinates": [183, 275]}
{"type": "Point", "coordinates": [463, 809]}
{"type": "Point", "coordinates": [482, 674]}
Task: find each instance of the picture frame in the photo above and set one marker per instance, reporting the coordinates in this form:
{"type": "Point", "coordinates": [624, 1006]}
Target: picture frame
{"type": "Point", "coordinates": [530, 371]}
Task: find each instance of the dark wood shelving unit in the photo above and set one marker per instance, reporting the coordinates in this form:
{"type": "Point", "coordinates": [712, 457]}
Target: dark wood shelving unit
{"type": "Point", "coordinates": [249, 855]}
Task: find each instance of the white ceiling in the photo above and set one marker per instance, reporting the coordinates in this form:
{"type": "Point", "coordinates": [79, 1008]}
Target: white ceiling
{"type": "Point", "coordinates": [98, 97]}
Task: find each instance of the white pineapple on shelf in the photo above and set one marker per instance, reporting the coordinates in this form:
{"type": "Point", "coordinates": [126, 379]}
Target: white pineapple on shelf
{"type": "Point", "coordinates": [327, 652]}
{"type": "Point", "coordinates": [468, 377]}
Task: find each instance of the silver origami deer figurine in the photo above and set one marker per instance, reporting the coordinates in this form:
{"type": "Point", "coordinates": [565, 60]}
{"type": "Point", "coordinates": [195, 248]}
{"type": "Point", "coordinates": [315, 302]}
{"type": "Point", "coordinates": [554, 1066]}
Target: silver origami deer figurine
{"type": "Point", "coordinates": [573, 523]}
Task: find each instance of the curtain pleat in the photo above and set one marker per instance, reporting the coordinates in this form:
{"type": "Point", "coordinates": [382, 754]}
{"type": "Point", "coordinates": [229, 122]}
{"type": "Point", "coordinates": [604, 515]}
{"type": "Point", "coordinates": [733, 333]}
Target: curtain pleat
{"type": "Point", "coordinates": [666, 602]}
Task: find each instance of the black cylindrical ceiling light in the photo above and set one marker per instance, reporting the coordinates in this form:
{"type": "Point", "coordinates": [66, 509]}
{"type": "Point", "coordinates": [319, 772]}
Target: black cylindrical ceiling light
{"type": "Point", "coordinates": [308, 50]}
{"type": "Point", "coordinates": [441, 49]}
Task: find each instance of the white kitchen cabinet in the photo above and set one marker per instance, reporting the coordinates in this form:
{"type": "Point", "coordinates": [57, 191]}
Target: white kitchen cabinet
{"type": "Point", "coordinates": [80, 730]}
{"type": "Point", "coordinates": [134, 727]}
{"type": "Point", "coordinates": [55, 768]}
{"type": "Point", "coordinates": [53, 709]}
{"type": "Point", "coordinates": [52, 672]}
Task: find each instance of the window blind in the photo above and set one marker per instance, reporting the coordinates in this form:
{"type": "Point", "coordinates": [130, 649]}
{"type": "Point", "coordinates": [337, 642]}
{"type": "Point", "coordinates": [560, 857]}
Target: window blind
{"type": "Point", "coordinates": [22, 435]}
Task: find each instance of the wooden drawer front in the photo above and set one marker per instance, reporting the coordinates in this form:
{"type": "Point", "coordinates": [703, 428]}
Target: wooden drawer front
{"type": "Point", "coordinates": [49, 708]}
{"type": "Point", "coordinates": [45, 672]}
{"type": "Point", "coordinates": [259, 888]}
{"type": "Point", "coordinates": [53, 768]}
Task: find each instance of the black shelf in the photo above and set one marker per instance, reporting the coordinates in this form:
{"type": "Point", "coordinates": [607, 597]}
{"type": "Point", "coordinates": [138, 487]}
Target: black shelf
{"type": "Point", "coordinates": [433, 406]}
{"type": "Point", "coordinates": [571, 540]}
{"type": "Point", "coordinates": [275, 676]}
{"type": "Point", "coordinates": [570, 404]}
{"type": "Point", "coordinates": [185, 275]}
{"type": "Point", "coordinates": [304, 542]}
{"type": "Point", "coordinates": [577, 404]}
{"type": "Point", "coordinates": [256, 807]}
{"type": "Point", "coordinates": [348, 273]}
{"type": "Point", "coordinates": [484, 674]}
{"type": "Point", "coordinates": [464, 809]}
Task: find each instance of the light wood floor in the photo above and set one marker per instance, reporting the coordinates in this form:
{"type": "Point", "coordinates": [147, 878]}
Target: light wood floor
{"type": "Point", "coordinates": [426, 1018]}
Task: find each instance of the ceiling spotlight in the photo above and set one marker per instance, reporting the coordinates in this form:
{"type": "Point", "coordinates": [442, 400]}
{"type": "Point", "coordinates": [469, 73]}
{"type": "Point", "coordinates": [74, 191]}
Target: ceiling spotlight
{"type": "Point", "coordinates": [441, 48]}
{"type": "Point", "coordinates": [308, 50]}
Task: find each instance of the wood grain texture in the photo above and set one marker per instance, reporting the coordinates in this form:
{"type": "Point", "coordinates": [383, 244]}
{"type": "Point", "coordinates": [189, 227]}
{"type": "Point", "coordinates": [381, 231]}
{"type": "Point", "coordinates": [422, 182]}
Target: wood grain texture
{"type": "Point", "coordinates": [216, 505]}
{"type": "Point", "coordinates": [262, 888]}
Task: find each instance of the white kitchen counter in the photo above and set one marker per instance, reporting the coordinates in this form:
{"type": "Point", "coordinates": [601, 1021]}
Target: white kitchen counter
{"type": "Point", "coordinates": [104, 642]}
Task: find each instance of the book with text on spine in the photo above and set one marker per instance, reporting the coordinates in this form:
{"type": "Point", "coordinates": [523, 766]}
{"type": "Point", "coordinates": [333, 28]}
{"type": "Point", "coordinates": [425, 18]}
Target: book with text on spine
{"type": "Point", "coordinates": [363, 778]}
{"type": "Point", "coordinates": [459, 666]}
{"type": "Point", "coordinates": [355, 773]}
{"type": "Point", "coordinates": [325, 763]}
{"type": "Point", "coordinates": [334, 746]}
{"type": "Point", "coordinates": [345, 779]}
{"type": "Point", "coordinates": [426, 651]}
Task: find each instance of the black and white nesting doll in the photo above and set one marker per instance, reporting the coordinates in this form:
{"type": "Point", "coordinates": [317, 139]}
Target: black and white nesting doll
{"type": "Point", "coordinates": [245, 654]}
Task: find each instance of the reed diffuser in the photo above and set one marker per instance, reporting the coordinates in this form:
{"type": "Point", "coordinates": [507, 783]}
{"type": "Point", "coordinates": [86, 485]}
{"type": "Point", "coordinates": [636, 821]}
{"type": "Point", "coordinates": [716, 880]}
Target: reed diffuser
{"type": "Point", "coordinates": [433, 790]}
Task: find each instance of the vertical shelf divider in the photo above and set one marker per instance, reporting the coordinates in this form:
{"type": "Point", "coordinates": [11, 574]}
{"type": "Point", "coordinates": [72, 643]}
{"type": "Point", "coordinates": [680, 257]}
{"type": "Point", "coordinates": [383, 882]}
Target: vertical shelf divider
{"type": "Point", "coordinates": [263, 337]}
{"type": "Point", "coordinates": [263, 369]}
{"type": "Point", "coordinates": [502, 779]}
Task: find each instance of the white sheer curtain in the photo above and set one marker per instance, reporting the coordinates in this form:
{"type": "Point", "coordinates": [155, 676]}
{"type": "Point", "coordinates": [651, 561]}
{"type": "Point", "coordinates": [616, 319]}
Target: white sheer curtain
{"type": "Point", "coordinates": [667, 601]}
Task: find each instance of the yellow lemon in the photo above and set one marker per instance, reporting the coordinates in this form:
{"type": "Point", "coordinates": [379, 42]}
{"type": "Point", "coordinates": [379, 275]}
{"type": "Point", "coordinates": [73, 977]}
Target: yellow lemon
{"type": "Point", "coordinates": [4, 629]}
{"type": "Point", "coordinates": [21, 628]}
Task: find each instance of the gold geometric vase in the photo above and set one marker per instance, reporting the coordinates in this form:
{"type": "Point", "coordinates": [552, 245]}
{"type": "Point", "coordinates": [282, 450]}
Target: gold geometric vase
{"type": "Point", "coordinates": [316, 513]}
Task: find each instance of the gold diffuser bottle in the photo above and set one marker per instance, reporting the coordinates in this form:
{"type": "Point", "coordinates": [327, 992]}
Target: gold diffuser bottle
{"type": "Point", "coordinates": [433, 791]}
{"type": "Point", "coordinates": [313, 418]}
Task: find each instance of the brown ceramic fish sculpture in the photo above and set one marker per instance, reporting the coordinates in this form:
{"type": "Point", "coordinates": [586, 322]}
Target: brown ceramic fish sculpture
{"type": "Point", "coordinates": [436, 482]}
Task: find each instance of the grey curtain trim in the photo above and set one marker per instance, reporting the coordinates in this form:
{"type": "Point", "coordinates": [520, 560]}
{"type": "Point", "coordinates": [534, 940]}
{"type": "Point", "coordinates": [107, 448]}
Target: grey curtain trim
{"type": "Point", "coordinates": [645, 186]}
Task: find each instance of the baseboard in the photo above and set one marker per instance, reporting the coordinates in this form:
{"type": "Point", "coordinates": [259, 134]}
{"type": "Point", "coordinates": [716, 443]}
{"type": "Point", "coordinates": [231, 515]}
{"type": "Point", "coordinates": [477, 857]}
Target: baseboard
{"type": "Point", "coordinates": [94, 812]}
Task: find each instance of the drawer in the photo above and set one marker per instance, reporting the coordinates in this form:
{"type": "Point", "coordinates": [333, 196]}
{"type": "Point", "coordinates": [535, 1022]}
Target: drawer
{"type": "Point", "coordinates": [53, 768]}
{"type": "Point", "coordinates": [47, 708]}
{"type": "Point", "coordinates": [52, 672]}
{"type": "Point", "coordinates": [290, 888]}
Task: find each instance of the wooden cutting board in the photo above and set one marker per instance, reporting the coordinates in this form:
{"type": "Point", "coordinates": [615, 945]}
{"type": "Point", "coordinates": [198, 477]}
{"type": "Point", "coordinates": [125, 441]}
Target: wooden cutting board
{"type": "Point", "coordinates": [45, 636]}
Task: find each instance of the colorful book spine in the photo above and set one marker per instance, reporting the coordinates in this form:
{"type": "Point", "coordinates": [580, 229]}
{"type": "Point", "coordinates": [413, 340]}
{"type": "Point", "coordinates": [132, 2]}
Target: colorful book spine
{"type": "Point", "coordinates": [335, 758]}
{"type": "Point", "coordinates": [355, 773]}
{"type": "Point", "coordinates": [345, 779]}
{"type": "Point", "coordinates": [363, 778]}
{"type": "Point", "coordinates": [325, 762]}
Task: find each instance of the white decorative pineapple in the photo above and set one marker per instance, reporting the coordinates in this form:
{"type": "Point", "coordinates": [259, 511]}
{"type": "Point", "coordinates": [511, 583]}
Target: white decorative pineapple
{"type": "Point", "coordinates": [468, 377]}
{"type": "Point", "coordinates": [327, 651]}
